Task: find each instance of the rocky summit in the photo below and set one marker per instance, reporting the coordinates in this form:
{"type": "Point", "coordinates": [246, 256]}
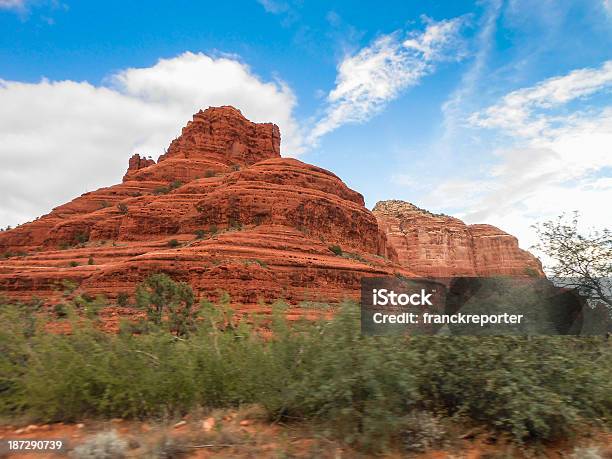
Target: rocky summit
{"type": "Point", "coordinates": [223, 211]}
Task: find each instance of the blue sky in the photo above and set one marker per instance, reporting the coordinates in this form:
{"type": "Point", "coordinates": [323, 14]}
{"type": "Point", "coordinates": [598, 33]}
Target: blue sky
{"type": "Point", "coordinates": [495, 111]}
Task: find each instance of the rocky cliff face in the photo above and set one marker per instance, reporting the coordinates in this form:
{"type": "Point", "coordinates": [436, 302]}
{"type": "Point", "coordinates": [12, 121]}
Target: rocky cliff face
{"type": "Point", "coordinates": [221, 210]}
{"type": "Point", "coordinates": [443, 246]}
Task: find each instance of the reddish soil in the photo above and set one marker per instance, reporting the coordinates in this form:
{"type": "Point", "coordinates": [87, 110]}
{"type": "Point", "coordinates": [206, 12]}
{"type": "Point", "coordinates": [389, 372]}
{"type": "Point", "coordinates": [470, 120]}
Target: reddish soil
{"type": "Point", "coordinates": [225, 434]}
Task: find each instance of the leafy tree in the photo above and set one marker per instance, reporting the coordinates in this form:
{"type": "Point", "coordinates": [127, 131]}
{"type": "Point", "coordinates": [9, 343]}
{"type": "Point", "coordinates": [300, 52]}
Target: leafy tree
{"type": "Point", "coordinates": [580, 261]}
{"type": "Point", "coordinates": [167, 303]}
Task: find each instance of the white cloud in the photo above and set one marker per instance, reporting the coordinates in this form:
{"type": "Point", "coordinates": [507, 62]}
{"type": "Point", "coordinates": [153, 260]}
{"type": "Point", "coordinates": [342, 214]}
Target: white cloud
{"type": "Point", "coordinates": [377, 74]}
{"type": "Point", "coordinates": [12, 4]}
{"type": "Point", "coordinates": [455, 107]}
{"type": "Point", "coordinates": [516, 110]}
{"type": "Point", "coordinates": [555, 161]}
{"type": "Point", "coordinates": [59, 139]}
{"type": "Point", "coordinates": [274, 6]}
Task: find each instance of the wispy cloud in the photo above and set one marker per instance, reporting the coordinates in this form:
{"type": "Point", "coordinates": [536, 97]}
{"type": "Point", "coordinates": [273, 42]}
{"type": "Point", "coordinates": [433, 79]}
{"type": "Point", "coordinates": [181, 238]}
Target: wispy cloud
{"type": "Point", "coordinates": [460, 100]}
{"type": "Point", "coordinates": [286, 10]}
{"type": "Point", "coordinates": [12, 4]}
{"type": "Point", "coordinates": [518, 111]}
{"type": "Point", "coordinates": [274, 6]}
{"type": "Point", "coordinates": [552, 155]}
{"type": "Point", "coordinates": [377, 74]}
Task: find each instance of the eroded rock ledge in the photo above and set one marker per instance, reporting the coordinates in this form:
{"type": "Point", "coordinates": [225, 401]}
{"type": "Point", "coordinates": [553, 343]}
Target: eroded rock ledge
{"type": "Point", "coordinates": [443, 246]}
{"type": "Point", "coordinates": [223, 211]}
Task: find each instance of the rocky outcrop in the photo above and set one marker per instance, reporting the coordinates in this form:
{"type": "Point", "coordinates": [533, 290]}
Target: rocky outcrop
{"type": "Point", "coordinates": [135, 164]}
{"type": "Point", "coordinates": [222, 134]}
{"type": "Point", "coordinates": [221, 210]}
{"type": "Point", "coordinates": [442, 246]}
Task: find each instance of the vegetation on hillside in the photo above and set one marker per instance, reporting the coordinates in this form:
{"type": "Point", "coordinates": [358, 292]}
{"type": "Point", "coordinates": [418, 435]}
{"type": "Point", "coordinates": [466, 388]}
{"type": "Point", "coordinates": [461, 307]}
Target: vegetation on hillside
{"type": "Point", "coordinates": [365, 391]}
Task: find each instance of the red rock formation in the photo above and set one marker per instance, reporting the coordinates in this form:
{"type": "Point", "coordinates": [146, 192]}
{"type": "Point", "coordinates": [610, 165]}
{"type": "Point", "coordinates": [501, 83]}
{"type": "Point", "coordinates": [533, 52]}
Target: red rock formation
{"type": "Point", "coordinates": [442, 246]}
{"type": "Point", "coordinates": [135, 164]}
{"type": "Point", "coordinates": [221, 210]}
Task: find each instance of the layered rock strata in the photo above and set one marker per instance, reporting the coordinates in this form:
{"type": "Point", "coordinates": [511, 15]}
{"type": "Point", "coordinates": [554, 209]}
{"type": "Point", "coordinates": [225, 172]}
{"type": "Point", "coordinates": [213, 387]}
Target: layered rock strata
{"type": "Point", "coordinates": [441, 246]}
{"type": "Point", "coordinates": [220, 210]}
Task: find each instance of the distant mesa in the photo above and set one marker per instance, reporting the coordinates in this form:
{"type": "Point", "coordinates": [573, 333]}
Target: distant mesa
{"type": "Point", "coordinates": [223, 211]}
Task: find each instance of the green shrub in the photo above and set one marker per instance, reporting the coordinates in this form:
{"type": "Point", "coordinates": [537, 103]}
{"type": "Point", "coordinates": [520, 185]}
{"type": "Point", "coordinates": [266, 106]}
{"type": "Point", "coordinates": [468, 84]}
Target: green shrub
{"type": "Point", "coordinates": [74, 264]}
{"type": "Point", "coordinates": [68, 286]}
{"type": "Point", "coordinates": [234, 224]}
{"type": "Point", "coordinates": [89, 305]}
{"type": "Point", "coordinates": [123, 298]}
{"type": "Point", "coordinates": [173, 243]}
{"type": "Point", "coordinates": [90, 260]}
{"type": "Point", "coordinates": [81, 238]}
{"type": "Point", "coordinates": [200, 234]}
{"type": "Point", "coordinates": [353, 256]}
{"type": "Point", "coordinates": [60, 310]}
{"type": "Point", "coordinates": [167, 303]}
{"type": "Point", "coordinates": [167, 189]}
{"type": "Point", "coordinates": [122, 208]}
{"type": "Point", "coordinates": [368, 391]}
{"type": "Point", "coordinates": [335, 249]}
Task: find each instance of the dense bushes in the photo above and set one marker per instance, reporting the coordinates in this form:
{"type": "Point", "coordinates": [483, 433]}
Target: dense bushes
{"type": "Point", "coordinates": [365, 390]}
{"type": "Point", "coordinates": [167, 303]}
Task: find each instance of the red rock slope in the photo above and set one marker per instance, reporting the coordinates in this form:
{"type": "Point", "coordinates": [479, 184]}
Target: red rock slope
{"type": "Point", "coordinates": [221, 210]}
{"type": "Point", "coordinates": [443, 246]}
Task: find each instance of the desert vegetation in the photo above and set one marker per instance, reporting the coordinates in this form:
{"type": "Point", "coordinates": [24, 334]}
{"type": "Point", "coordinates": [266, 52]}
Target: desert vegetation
{"type": "Point", "coordinates": [580, 260]}
{"type": "Point", "coordinates": [168, 188]}
{"type": "Point", "coordinates": [373, 393]}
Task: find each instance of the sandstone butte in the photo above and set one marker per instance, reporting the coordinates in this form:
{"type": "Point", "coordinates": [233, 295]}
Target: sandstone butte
{"type": "Point", "coordinates": [223, 211]}
{"type": "Point", "coordinates": [437, 245]}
